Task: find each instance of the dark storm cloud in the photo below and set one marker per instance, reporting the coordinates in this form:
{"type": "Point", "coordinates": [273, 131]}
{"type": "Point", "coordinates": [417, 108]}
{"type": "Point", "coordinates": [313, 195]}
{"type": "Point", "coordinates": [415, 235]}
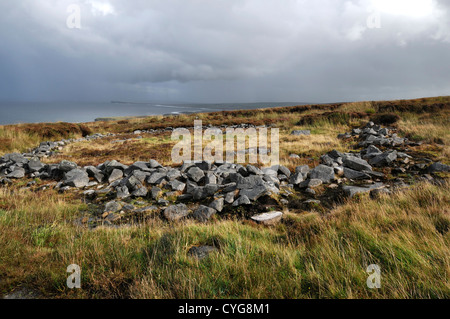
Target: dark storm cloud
{"type": "Point", "coordinates": [224, 51]}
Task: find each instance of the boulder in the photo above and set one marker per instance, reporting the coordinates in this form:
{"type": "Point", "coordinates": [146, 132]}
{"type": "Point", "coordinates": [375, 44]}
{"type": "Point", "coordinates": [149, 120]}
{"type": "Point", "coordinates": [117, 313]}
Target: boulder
{"type": "Point", "coordinates": [176, 212]}
{"type": "Point", "coordinates": [268, 218]}
{"type": "Point", "coordinates": [204, 213]}
{"type": "Point", "coordinates": [301, 132]}
{"type": "Point", "coordinates": [35, 165]}
{"type": "Point", "coordinates": [255, 193]}
{"type": "Point", "coordinates": [116, 174]}
{"type": "Point", "coordinates": [201, 252]}
{"type": "Point", "coordinates": [438, 168]}
{"type": "Point", "coordinates": [242, 200]}
{"type": "Point", "coordinates": [352, 174]}
{"type": "Point", "coordinates": [218, 204]}
{"type": "Point", "coordinates": [76, 178]}
{"type": "Point", "coordinates": [356, 163]}
{"type": "Point", "coordinates": [67, 166]}
{"type": "Point", "coordinates": [384, 159]}
{"type": "Point", "coordinates": [351, 191]}
{"type": "Point", "coordinates": [195, 174]}
{"type": "Point", "coordinates": [17, 173]}
{"type": "Point", "coordinates": [324, 173]}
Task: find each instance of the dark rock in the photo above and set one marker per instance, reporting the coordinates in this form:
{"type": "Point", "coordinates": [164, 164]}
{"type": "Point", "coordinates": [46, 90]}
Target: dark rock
{"type": "Point", "coordinates": [324, 173]}
{"type": "Point", "coordinates": [201, 252]}
{"type": "Point", "coordinates": [204, 213]}
{"type": "Point", "coordinates": [384, 159]}
{"type": "Point", "coordinates": [438, 167]}
{"type": "Point", "coordinates": [352, 174]}
{"type": "Point", "coordinates": [17, 173]}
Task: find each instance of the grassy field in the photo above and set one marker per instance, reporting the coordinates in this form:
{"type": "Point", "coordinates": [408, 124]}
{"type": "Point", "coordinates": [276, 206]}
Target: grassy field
{"type": "Point", "coordinates": [310, 254]}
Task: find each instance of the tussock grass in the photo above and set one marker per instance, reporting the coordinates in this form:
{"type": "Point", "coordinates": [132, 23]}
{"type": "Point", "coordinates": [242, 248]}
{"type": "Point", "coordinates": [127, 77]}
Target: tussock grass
{"type": "Point", "coordinates": [307, 256]}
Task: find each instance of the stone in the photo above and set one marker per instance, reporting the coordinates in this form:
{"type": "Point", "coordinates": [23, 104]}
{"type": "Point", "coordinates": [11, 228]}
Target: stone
{"type": "Point", "coordinates": [253, 170]}
{"type": "Point", "coordinates": [17, 173]}
{"type": "Point", "coordinates": [384, 159]}
{"type": "Point", "coordinates": [229, 197]}
{"type": "Point", "coordinates": [268, 218]}
{"type": "Point", "coordinates": [35, 165]}
{"type": "Point", "coordinates": [242, 200]}
{"type": "Point", "coordinates": [204, 213]}
{"type": "Point", "coordinates": [122, 191]}
{"type": "Point", "coordinates": [249, 182]}
{"type": "Point", "coordinates": [76, 178]}
{"type": "Point", "coordinates": [95, 173]}
{"type": "Point", "coordinates": [195, 174]}
{"type": "Point", "coordinates": [116, 174]}
{"type": "Point", "coordinates": [176, 212]}
{"type": "Point", "coordinates": [156, 178]}
{"type": "Point", "coordinates": [296, 179]}
{"type": "Point", "coordinates": [154, 164]}
{"type": "Point", "coordinates": [301, 132]}
{"type": "Point", "coordinates": [310, 183]}
{"type": "Point", "coordinates": [351, 191]}
{"type": "Point", "coordinates": [377, 193]}
{"type": "Point", "coordinates": [201, 252]}
{"type": "Point", "coordinates": [255, 193]}
{"type": "Point", "coordinates": [352, 174]}
{"type": "Point", "coordinates": [67, 166]}
{"type": "Point", "coordinates": [356, 163]}
{"type": "Point", "coordinates": [112, 207]}
{"type": "Point", "coordinates": [140, 192]}
{"type": "Point", "coordinates": [156, 192]}
{"type": "Point", "coordinates": [218, 204]}
{"type": "Point", "coordinates": [176, 185]}
{"type": "Point", "coordinates": [324, 173]}
{"type": "Point", "coordinates": [284, 170]}
{"type": "Point", "coordinates": [438, 168]}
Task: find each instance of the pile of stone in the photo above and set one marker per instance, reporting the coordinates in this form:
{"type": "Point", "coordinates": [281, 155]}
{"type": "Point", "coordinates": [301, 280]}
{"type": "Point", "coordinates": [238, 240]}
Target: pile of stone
{"type": "Point", "coordinates": [203, 127]}
{"type": "Point", "coordinates": [204, 189]}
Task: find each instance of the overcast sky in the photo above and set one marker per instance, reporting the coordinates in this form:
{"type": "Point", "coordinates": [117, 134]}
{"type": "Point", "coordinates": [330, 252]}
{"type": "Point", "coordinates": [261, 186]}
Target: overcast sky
{"type": "Point", "coordinates": [224, 50]}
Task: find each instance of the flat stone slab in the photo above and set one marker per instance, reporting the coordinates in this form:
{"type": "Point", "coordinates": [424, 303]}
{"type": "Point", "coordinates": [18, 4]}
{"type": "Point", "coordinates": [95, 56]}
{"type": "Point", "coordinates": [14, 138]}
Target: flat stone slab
{"type": "Point", "coordinates": [268, 218]}
{"type": "Point", "coordinates": [351, 191]}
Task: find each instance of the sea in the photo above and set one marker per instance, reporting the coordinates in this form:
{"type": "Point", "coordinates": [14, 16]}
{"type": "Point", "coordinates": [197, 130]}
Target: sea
{"type": "Point", "coordinates": [28, 112]}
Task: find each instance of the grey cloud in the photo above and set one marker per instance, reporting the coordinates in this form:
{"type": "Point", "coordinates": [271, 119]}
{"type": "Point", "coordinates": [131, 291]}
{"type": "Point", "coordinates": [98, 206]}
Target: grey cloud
{"type": "Point", "coordinates": [220, 51]}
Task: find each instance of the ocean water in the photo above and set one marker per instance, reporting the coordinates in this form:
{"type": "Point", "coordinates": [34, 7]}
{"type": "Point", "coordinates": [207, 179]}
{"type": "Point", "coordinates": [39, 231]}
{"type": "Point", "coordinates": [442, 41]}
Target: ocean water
{"type": "Point", "coordinates": [12, 113]}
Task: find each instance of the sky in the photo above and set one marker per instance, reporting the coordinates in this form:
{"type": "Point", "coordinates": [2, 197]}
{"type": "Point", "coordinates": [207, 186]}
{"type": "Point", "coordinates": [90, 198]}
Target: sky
{"type": "Point", "coordinates": [224, 51]}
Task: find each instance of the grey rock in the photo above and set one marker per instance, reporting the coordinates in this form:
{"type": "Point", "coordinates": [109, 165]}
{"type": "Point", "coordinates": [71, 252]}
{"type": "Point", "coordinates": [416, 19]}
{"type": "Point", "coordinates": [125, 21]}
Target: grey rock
{"type": "Point", "coordinates": [76, 178]}
{"type": "Point", "coordinates": [352, 174]}
{"type": "Point", "coordinates": [322, 172]}
{"type": "Point", "coordinates": [116, 174]}
{"type": "Point", "coordinates": [17, 173]}
{"type": "Point", "coordinates": [242, 200]}
{"type": "Point", "coordinates": [67, 166]}
{"type": "Point", "coordinates": [176, 212]}
{"type": "Point", "coordinates": [204, 213]}
{"type": "Point", "coordinates": [156, 192]}
{"type": "Point", "coordinates": [301, 132]}
{"type": "Point", "coordinates": [254, 170]}
{"type": "Point", "coordinates": [351, 191]}
{"type": "Point", "coordinates": [176, 185]}
{"type": "Point", "coordinates": [112, 207]}
{"type": "Point", "coordinates": [35, 165]}
{"type": "Point", "coordinates": [311, 183]}
{"type": "Point", "coordinates": [384, 159]}
{"type": "Point", "coordinates": [296, 178]}
{"type": "Point", "coordinates": [154, 164]}
{"type": "Point", "coordinates": [255, 193]}
{"type": "Point", "coordinates": [356, 163]}
{"type": "Point", "coordinates": [122, 191]}
{"type": "Point", "coordinates": [156, 178]}
{"type": "Point", "coordinates": [195, 174]}
{"type": "Point", "coordinates": [140, 192]}
{"type": "Point", "coordinates": [218, 204]}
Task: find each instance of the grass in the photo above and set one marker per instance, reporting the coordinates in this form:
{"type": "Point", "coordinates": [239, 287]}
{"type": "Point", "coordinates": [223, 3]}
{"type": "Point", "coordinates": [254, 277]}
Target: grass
{"type": "Point", "coordinates": [310, 254]}
{"type": "Point", "coordinates": [307, 256]}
